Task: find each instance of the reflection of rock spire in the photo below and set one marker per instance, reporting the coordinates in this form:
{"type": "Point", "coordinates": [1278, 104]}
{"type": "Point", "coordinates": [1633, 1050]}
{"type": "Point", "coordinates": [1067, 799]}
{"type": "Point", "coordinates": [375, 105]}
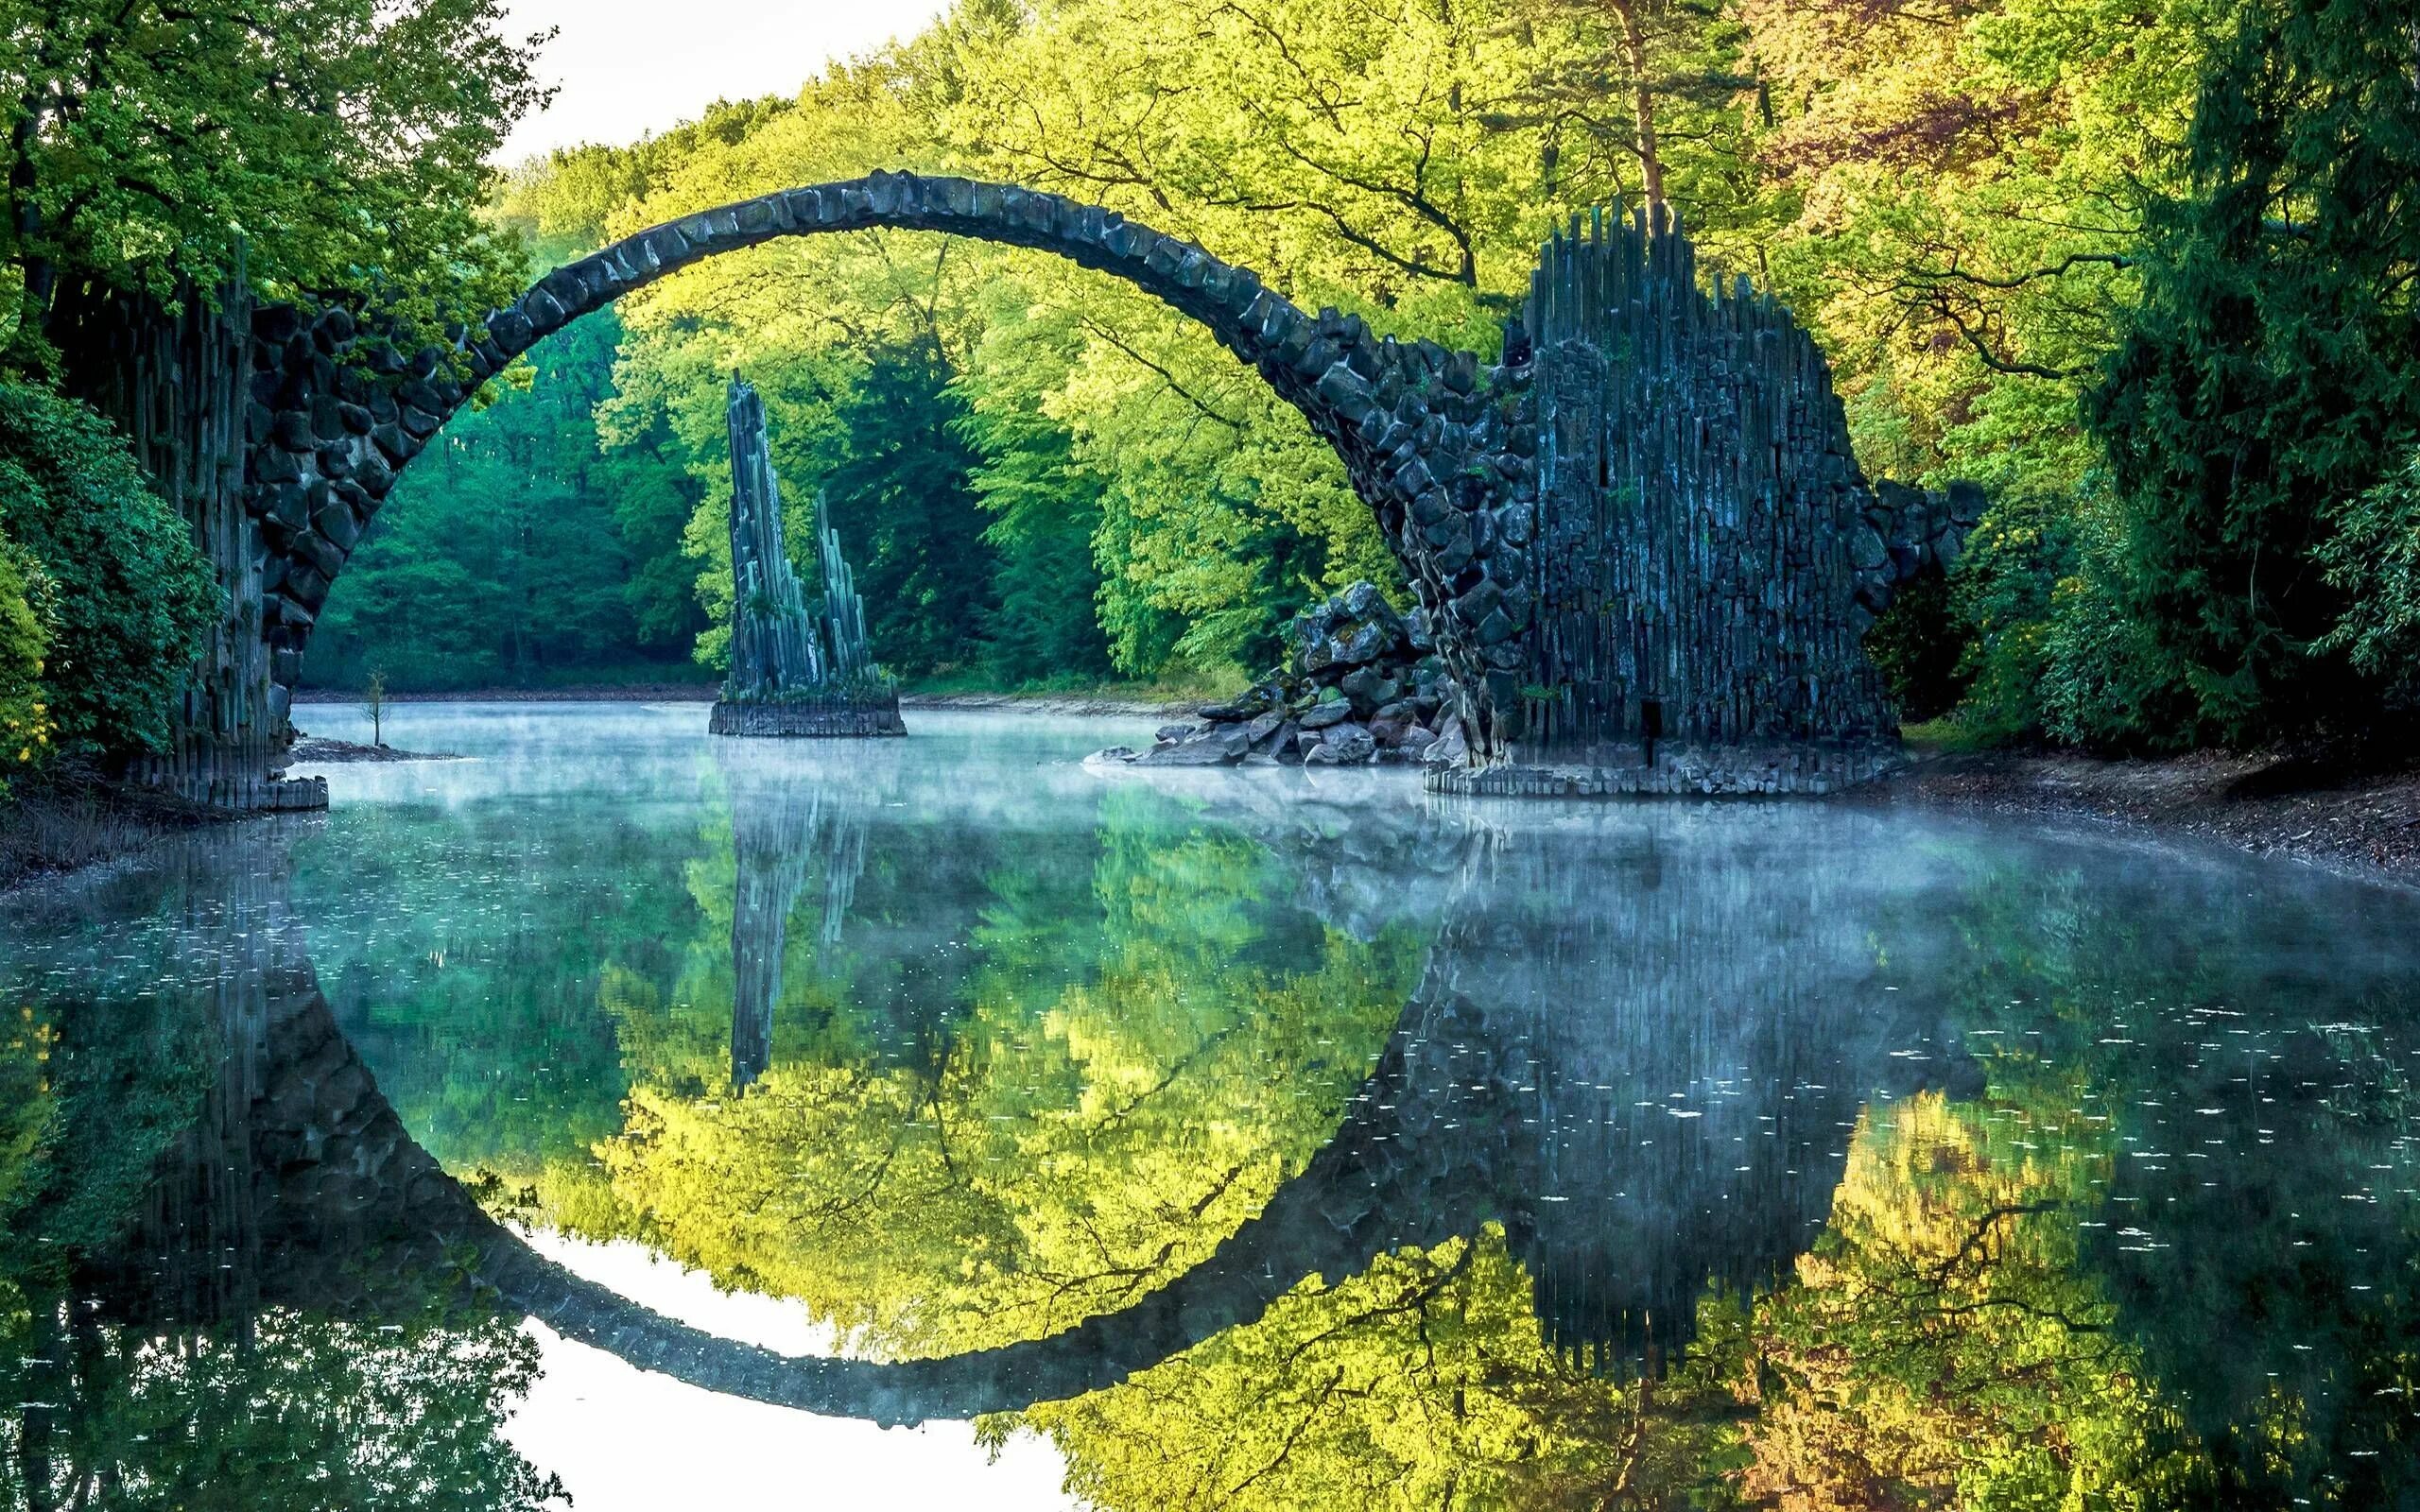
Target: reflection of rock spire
{"type": "Point", "coordinates": [778, 830]}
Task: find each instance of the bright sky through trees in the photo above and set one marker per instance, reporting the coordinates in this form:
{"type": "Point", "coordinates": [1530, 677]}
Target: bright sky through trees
{"type": "Point", "coordinates": [625, 68]}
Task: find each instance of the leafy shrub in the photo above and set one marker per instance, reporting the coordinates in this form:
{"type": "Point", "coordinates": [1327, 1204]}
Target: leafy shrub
{"type": "Point", "coordinates": [2374, 556]}
{"type": "Point", "coordinates": [2055, 657]}
{"type": "Point", "coordinates": [24, 707]}
{"type": "Point", "coordinates": [128, 593]}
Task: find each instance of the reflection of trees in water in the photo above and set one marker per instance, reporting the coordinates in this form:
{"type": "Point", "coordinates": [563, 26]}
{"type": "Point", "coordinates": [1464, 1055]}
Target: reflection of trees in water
{"type": "Point", "coordinates": [1145, 1044]}
{"type": "Point", "coordinates": [1413, 1315]}
{"type": "Point", "coordinates": [2131, 1263]}
{"type": "Point", "coordinates": [1959, 1333]}
{"type": "Point", "coordinates": [195, 1309]}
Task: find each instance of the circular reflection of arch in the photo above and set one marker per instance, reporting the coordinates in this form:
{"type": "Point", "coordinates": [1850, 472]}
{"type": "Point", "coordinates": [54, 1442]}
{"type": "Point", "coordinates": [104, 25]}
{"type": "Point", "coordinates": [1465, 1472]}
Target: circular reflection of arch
{"type": "Point", "coordinates": [1530, 1006]}
{"type": "Point", "coordinates": [299, 1155]}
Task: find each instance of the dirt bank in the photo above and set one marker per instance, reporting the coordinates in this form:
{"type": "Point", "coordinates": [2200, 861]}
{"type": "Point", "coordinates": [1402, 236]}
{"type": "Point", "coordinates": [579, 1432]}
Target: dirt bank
{"type": "Point", "coordinates": [2364, 824]}
{"type": "Point", "coordinates": [321, 751]}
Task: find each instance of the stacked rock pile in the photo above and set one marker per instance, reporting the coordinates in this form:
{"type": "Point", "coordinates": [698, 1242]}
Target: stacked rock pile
{"type": "Point", "coordinates": [1904, 532]}
{"type": "Point", "coordinates": [1361, 685]}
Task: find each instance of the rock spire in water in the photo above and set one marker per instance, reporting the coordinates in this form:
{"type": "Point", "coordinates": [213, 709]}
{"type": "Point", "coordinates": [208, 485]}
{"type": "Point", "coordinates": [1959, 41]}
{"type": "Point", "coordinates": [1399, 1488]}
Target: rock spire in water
{"type": "Point", "coordinates": [792, 673]}
{"type": "Point", "coordinates": [773, 647]}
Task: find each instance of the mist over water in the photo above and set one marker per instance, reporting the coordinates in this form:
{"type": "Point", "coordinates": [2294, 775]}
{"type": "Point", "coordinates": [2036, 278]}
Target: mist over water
{"type": "Point", "coordinates": [1286, 1130]}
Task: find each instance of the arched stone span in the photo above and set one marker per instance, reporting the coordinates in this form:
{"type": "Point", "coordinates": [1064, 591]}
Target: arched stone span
{"type": "Point", "coordinates": [1644, 530]}
{"type": "Point", "coordinates": [1437, 444]}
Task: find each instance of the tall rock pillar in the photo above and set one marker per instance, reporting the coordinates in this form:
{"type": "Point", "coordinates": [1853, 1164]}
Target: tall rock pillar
{"type": "Point", "coordinates": [179, 387]}
{"type": "Point", "coordinates": [791, 673]}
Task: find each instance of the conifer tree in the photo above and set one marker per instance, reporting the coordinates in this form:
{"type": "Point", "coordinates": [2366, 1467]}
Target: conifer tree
{"type": "Point", "coordinates": [2273, 370]}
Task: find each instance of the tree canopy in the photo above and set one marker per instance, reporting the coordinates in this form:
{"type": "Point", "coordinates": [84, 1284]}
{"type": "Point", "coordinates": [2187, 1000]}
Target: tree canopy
{"type": "Point", "coordinates": [1981, 210]}
{"type": "Point", "coordinates": [319, 146]}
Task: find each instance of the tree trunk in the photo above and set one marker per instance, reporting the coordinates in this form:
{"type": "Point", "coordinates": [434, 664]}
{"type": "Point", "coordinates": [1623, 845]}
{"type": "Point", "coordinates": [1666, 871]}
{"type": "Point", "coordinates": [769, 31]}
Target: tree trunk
{"type": "Point", "coordinates": [1651, 160]}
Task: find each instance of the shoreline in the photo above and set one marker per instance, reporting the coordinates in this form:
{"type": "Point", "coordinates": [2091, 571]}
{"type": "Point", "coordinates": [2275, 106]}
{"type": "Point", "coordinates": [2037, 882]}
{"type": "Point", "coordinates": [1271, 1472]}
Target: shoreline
{"type": "Point", "coordinates": [83, 832]}
{"type": "Point", "coordinates": [617, 692]}
{"type": "Point", "coordinates": [2366, 826]}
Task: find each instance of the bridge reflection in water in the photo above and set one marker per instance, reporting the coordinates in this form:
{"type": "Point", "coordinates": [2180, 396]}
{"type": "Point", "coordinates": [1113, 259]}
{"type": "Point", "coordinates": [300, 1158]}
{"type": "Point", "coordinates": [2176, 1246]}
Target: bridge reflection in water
{"type": "Point", "coordinates": [1648, 1121]}
{"type": "Point", "coordinates": [1641, 1115]}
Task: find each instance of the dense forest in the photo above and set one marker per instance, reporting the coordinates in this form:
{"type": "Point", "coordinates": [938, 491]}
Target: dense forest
{"type": "Point", "coordinates": [2145, 273]}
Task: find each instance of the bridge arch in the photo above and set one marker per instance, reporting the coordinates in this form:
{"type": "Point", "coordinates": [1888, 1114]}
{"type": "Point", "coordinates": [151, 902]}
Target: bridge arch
{"type": "Point", "coordinates": [1439, 445]}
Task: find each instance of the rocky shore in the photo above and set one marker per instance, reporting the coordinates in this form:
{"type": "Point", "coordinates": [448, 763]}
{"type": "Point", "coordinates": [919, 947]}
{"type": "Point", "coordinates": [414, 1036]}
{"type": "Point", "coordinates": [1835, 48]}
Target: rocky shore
{"type": "Point", "coordinates": [2360, 823]}
{"type": "Point", "coordinates": [1362, 686]}
{"type": "Point", "coordinates": [320, 751]}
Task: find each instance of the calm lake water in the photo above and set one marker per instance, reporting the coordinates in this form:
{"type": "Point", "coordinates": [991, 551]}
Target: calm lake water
{"type": "Point", "coordinates": [662, 1122]}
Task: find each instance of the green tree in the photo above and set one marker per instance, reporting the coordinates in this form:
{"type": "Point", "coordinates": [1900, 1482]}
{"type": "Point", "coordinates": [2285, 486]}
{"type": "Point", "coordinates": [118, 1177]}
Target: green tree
{"type": "Point", "coordinates": [517, 552]}
{"type": "Point", "coordinates": [1401, 162]}
{"type": "Point", "coordinates": [2271, 372]}
{"type": "Point", "coordinates": [1045, 507]}
{"type": "Point", "coordinates": [316, 145]}
{"type": "Point", "coordinates": [902, 484]}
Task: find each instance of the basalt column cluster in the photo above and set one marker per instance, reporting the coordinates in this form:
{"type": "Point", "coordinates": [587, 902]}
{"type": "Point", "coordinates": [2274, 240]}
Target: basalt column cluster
{"type": "Point", "coordinates": [1708, 556]}
{"type": "Point", "coordinates": [792, 673]}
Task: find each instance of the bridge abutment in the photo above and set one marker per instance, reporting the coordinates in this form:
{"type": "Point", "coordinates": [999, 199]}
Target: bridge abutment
{"type": "Point", "coordinates": [178, 386]}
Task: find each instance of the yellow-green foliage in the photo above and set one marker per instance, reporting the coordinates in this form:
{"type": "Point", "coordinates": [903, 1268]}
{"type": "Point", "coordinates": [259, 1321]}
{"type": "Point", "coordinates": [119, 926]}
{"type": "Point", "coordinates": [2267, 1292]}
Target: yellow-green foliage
{"type": "Point", "coordinates": [1423, 1381]}
{"type": "Point", "coordinates": [1047, 1169]}
{"type": "Point", "coordinates": [1951, 197]}
{"type": "Point", "coordinates": [1402, 161]}
{"type": "Point", "coordinates": [25, 724]}
{"type": "Point", "coordinates": [1944, 1339]}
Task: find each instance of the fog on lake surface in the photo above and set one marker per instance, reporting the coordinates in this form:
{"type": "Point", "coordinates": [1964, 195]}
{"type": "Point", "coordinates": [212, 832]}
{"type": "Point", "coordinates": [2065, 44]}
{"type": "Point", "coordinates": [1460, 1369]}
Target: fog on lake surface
{"type": "Point", "coordinates": [939, 1122]}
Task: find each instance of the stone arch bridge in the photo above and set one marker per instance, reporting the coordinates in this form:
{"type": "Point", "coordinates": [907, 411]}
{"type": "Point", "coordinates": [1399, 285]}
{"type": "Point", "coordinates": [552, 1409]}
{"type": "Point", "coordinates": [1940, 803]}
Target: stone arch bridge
{"type": "Point", "coordinates": [1645, 520]}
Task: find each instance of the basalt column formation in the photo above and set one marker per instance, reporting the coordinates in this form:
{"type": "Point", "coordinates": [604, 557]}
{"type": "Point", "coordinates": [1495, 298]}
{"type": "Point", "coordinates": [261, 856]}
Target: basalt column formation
{"type": "Point", "coordinates": [1708, 556]}
{"type": "Point", "coordinates": [787, 678]}
{"type": "Point", "coordinates": [179, 386]}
